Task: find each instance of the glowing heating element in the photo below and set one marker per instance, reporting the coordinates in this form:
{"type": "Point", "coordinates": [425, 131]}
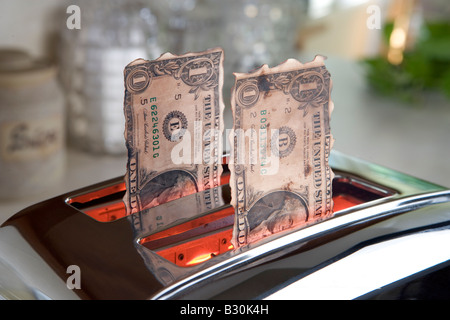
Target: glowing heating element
{"type": "Point", "coordinates": [207, 236]}
{"type": "Point", "coordinates": [187, 250]}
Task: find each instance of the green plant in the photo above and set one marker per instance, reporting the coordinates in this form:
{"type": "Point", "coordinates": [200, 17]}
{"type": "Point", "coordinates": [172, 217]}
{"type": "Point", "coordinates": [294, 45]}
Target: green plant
{"type": "Point", "coordinates": [425, 67]}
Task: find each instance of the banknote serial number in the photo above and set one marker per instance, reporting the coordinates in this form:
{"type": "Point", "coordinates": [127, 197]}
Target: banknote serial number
{"type": "Point", "coordinates": [263, 142]}
{"type": "Point", "coordinates": [151, 128]}
{"type": "Point", "coordinates": [155, 130]}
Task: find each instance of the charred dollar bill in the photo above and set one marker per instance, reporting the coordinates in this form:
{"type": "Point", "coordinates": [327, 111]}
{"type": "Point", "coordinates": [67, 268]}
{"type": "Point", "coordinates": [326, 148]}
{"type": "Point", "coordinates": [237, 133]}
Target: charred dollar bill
{"type": "Point", "coordinates": [281, 142]}
{"type": "Point", "coordinates": [173, 131]}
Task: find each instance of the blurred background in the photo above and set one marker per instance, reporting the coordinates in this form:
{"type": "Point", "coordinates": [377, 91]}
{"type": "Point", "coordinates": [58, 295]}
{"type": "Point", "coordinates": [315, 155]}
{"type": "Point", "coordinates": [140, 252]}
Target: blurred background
{"type": "Point", "coordinates": [61, 78]}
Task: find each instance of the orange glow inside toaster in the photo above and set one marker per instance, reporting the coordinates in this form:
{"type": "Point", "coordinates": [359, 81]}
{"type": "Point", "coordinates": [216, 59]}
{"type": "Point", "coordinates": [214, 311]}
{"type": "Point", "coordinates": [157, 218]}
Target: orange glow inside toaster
{"type": "Point", "coordinates": [202, 238]}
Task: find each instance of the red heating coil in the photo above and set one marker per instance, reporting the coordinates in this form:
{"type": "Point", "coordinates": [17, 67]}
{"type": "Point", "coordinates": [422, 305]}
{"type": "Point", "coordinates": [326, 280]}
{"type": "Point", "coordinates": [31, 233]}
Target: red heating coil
{"type": "Point", "coordinates": [189, 243]}
{"type": "Point", "coordinates": [203, 247]}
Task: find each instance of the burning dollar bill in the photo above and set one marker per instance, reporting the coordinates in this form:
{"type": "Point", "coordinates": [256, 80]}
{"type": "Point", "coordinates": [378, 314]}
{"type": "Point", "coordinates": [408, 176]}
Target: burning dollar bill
{"type": "Point", "coordinates": [281, 142]}
{"type": "Point", "coordinates": [173, 131]}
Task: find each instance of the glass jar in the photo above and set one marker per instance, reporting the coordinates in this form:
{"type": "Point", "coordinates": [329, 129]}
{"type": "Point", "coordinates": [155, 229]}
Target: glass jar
{"type": "Point", "coordinates": [112, 34]}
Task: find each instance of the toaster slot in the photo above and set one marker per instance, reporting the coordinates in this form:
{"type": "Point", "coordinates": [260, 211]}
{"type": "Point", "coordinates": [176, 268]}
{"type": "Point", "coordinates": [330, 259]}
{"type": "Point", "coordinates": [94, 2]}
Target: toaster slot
{"type": "Point", "coordinates": [106, 204]}
{"type": "Point", "coordinates": [208, 236]}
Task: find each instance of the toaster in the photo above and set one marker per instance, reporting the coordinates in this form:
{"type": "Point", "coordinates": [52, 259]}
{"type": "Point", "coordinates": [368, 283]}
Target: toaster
{"type": "Point", "coordinates": [83, 245]}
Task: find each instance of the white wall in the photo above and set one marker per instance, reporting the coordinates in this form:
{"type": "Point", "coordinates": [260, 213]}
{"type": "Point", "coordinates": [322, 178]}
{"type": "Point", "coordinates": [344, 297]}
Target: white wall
{"type": "Point", "coordinates": [31, 24]}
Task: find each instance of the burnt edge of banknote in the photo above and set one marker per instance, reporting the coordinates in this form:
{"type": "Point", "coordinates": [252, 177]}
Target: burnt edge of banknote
{"type": "Point", "coordinates": [139, 75]}
{"type": "Point", "coordinates": [201, 73]}
{"type": "Point", "coordinates": [311, 88]}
